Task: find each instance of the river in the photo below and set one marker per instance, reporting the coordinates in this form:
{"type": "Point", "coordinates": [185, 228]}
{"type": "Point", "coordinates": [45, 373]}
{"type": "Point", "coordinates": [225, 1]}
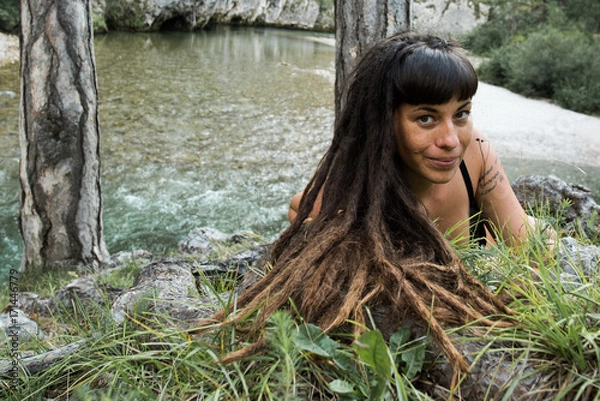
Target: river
{"type": "Point", "coordinates": [215, 128]}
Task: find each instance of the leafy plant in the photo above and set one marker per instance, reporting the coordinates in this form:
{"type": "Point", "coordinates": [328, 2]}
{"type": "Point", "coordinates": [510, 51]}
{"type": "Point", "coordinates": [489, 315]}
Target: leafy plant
{"type": "Point", "coordinates": [544, 49]}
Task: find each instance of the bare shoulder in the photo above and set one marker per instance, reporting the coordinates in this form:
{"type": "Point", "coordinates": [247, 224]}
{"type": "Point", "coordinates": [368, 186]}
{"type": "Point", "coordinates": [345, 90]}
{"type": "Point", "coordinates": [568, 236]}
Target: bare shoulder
{"type": "Point", "coordinates": [484, 165]}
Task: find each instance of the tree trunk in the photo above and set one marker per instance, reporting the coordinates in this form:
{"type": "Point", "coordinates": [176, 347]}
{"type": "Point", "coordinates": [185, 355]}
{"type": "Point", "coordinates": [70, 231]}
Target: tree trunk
{"type": "Point", "coordinates": [358, 25]}
{"type": "Point", "coordinates": [61, 205]}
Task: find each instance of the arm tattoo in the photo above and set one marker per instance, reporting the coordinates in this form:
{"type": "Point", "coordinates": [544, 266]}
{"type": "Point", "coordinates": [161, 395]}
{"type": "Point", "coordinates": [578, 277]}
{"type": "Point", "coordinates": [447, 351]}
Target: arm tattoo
{"type": "Point", "coordinates": [491, 178]}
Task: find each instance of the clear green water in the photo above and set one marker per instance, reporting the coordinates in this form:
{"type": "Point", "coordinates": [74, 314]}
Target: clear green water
{"type": "Point", "coordinates": [217, 128]}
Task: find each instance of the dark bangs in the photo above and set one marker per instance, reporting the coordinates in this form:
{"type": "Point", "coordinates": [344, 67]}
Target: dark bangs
{"type": "Point", "coordinates": [434, 76]}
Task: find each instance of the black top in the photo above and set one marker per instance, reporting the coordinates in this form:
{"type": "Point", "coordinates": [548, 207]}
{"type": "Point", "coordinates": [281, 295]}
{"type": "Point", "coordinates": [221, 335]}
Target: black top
{"type": "Point", "coordinates": [476, 223]}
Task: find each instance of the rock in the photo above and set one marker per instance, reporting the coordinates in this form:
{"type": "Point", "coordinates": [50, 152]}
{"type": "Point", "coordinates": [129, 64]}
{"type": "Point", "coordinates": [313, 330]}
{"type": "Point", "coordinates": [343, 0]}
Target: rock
{"type": "Point", "coordinates": [9, 53]}
{"type": "Point", "coordinates": [16, 327]}
{"type": "Point", "coordinates": [500, 371]}
{"type": "Point", "coordinates": [8, 94]}
{"type": "Point", "coordinates": [239, 263]}
{"type": "Point", "coordinates": [445, 17]}
{"type": "Point", "coordinates": [85, 292]}
{"type": "Point", "coordinates": [138, 256]}
{"type": "Point", "coordinates": [203, 242]}
{"type": "Point", "coordinates": [152, 15]}
{"type": "Point", "coordinates": [164, 288]}
{"type": "Point", "coordinates": [577, 259]}
{"type": "Point", "coordinates": [35, 304]}
{"type": "Point", "coordinates": [439, 16]}
{"type": "Point", "coordinates": [552, 192]}
{"type": "Point", "coordinates": [239, 267]}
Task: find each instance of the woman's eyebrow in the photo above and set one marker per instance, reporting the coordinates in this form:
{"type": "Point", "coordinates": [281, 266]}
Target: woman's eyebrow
{"type": "Point", "coordinates": [425, 108]}
{"type": "Point", "coordinates": [433, 109]}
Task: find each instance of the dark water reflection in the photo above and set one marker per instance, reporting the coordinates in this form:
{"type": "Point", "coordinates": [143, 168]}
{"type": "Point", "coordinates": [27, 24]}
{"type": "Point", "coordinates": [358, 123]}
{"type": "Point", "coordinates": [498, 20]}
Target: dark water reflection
{"type": "Point", "coordinates": [215, 128]}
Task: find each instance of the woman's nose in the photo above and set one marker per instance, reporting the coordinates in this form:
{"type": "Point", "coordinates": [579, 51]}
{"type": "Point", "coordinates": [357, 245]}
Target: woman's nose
{"type": "Point", "coordinates": [448, 135]}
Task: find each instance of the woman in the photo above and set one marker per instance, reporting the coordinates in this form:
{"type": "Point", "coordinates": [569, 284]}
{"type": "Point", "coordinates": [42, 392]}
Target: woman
{"type": "Point", "coordinates": [435, 139]}
{"type": "Point", "coordinates": [382, 195]}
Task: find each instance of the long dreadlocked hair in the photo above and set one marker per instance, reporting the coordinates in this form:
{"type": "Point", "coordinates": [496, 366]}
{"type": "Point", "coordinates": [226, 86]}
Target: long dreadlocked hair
{"type": "Point", "coordinates": [371, 244]}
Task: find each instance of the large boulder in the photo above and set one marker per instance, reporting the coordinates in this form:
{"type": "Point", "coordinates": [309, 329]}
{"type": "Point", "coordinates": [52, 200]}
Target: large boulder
{"type": "Point", "coordinates": [575, 203]}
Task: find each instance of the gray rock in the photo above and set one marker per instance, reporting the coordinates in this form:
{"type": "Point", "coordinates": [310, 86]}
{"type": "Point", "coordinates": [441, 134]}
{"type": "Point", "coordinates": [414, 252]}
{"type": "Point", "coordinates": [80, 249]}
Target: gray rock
{"type": "Point", "coordinates": [85, 292]}
{"type": "Point", "coordinates": [151, 15]}
{"type": "Point", "coordinates": [9, 94]}
{"type": "Point", "coordinates": [238, 263]}
{"type": "Point", "coordinates": [500, 370]}
{"type": "Point", "coordinates": [445, 17]}
{"type": "Point", "coordinates": [439, 16]}
{"type": "Point", "coordinates": [203, 242]}
{"type": "Point", "coordinates": [35, 304]}
{"type": "Point", "coordinates": [577, 260]}
{"type": "Point", "coordinates": [163, 289]}
{"type": "Point", "coordinates": [554, 193]}
{"type": "Point", "coordinates": [33, 364]}
{"type": "Point", "coordinates": [16, 327]}
{"type": "Point", "coordinates": [138, 256]}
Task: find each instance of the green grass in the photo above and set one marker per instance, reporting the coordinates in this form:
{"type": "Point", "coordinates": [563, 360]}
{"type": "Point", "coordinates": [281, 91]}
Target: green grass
{"type": "Point", "coordinates": [148, 358]}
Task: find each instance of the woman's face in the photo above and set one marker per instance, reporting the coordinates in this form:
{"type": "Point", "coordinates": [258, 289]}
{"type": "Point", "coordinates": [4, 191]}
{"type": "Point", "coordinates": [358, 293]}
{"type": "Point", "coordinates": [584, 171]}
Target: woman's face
{"type": "Point", "coordinates": [432, 140]}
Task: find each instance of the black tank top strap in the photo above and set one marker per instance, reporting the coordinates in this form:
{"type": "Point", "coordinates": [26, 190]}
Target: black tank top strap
{"type": "Point", "coordinates": [475, 222]}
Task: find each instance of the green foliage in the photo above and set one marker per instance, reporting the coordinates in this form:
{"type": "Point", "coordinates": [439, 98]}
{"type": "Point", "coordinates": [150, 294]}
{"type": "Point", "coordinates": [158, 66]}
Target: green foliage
{"type": "Point", "coordinates": [99, 23]}
{"type": "Point", "coordinates": [542, 49]}
{"type": "Point", "coordinates": [9, 15]}
{"type": "Point", "coordinates": [123, 14]}
{"type": "Point", "coordinates": [371, 371]}
{"type": "Point", "coordinates": [122, 277]}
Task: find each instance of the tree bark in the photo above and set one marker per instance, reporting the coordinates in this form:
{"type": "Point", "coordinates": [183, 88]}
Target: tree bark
{"type": "Point", "coordinates": [358, 25]}
{"type": "Point", "coordinates": [61, 204]}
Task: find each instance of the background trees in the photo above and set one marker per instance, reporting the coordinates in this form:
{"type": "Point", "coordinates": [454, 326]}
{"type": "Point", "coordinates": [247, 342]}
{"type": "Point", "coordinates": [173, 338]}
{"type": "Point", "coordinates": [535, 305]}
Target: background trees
{"type": "Point", "coordinates": [543, 48]}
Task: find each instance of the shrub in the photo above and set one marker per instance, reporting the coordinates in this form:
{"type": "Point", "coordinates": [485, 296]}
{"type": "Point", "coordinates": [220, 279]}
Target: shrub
{"type": "Point", "coordinates": [485, 37]}
{"type": "Point", "coordinates": [550, 63]}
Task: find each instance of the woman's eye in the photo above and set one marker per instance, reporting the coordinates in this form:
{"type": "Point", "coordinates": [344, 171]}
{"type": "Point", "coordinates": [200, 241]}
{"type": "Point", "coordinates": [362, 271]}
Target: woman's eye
{"type": "Point", "coordinates": [461, 115]}
{"type": "Point", "coordinates": [425, 119]}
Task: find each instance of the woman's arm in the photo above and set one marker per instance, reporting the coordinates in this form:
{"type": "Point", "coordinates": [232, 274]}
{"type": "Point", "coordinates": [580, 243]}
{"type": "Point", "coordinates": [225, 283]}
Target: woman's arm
{"type": "Point", "coordinates": [295, 206]}
{"type": "Point", "coordinates": [498, 201]}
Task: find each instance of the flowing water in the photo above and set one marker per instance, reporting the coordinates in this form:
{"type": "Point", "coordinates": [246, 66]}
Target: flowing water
{"type": "Point", "coordinates": [216, 128]}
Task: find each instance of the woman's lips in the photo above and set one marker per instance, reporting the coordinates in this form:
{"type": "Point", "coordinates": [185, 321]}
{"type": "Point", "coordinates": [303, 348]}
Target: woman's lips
{"type": "Point", "coordinates": [444, 162]}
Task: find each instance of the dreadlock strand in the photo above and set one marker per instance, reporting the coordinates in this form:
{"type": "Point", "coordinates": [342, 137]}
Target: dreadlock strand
{"type": "Point", "coordinates": [422, 311]}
